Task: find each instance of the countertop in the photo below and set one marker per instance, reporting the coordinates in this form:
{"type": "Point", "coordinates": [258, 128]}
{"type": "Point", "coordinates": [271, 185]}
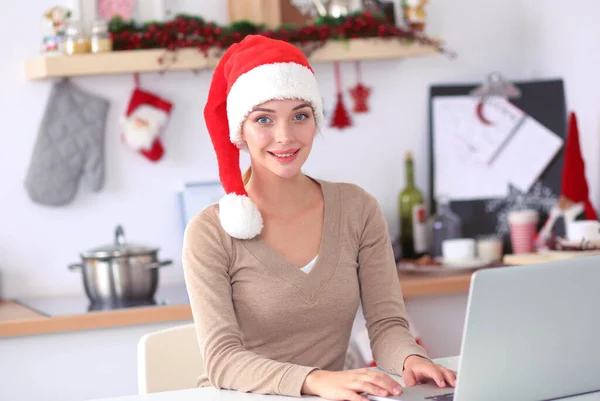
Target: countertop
{"type": "Point", "coordinates": [45, 315]}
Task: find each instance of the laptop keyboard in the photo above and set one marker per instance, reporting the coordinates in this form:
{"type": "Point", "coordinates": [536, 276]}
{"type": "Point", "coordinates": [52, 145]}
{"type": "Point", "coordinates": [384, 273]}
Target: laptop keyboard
{"type": "Point", "coordinates": [442, 397]}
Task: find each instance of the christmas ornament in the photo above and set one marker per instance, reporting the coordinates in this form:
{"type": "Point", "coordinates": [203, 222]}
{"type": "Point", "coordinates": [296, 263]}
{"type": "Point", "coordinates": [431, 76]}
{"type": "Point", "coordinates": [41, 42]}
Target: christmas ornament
{"type": "Point", "coordinates": [53, 27]}
{"type": "Point", "coordinates": [539, 197]}
{"type": "Point", "coordinates": [414, 14]}
{"type": "Point", "coordinates": [69, 146]}
{"type": "Point", "coordinates": [255, 71]}
{"type": "Point", "coordinates": [360, 93]}
{"type": "Point", "coordinates": [574, 201]}
{"type": "Point", "coordinates": [574, 185]}
{"type": "Point", "coordinates": [144, 122]}
{"type": "Point", "coordinates": [341, 118]}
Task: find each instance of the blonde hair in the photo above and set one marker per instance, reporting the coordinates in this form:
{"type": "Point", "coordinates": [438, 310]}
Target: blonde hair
{"type": "Point", "coordinates": [247, 175]}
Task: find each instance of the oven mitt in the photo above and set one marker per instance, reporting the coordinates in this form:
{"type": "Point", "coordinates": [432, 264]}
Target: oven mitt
{"type": "Point", "coordinates": [69, 146]}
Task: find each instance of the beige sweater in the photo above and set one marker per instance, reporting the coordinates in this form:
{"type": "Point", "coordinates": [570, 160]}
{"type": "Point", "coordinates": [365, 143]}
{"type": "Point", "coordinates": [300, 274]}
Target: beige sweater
{"type": "Point", "coordinates": [264, 325]}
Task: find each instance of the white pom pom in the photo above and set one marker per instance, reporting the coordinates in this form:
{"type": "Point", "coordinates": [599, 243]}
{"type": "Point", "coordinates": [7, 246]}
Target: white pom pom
{"type": "Point", "coordinates": [239, 216]}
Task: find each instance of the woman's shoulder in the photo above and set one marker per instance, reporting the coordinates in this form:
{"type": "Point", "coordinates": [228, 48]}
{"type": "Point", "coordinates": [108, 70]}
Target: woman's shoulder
{"type": "Point", "coordinates": [205, 224]}
{"type": "Point", "coordinates": [351, 194]}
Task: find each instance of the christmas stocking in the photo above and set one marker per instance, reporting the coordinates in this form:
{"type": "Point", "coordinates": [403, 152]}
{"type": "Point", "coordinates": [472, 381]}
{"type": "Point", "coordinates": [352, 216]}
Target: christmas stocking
{"type": "Point", "coordinates": [145, 120]}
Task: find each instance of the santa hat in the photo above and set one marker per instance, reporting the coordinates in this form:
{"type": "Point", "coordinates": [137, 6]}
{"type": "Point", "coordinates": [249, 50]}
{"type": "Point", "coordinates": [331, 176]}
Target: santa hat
{"type": "Point", "coordinates": [256, 70]}
{"type": "Point", "coordinates": [574, 183]}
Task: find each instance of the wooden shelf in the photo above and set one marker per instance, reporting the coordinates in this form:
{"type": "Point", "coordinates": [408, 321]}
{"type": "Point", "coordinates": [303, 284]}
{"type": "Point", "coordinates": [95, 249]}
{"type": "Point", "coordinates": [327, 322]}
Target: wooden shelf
{"type": "Point", "coordinates": [124, 62]}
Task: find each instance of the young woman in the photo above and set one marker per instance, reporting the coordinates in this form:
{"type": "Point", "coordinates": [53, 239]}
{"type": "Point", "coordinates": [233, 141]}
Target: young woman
{"type": "Point", "coordinates": [276, 270]}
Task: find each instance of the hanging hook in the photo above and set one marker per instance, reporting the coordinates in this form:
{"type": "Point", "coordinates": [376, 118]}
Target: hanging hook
{"type": "Point", "coordinates": [136, 79]}
{"type": "Point", "coordinates": [495, 86]}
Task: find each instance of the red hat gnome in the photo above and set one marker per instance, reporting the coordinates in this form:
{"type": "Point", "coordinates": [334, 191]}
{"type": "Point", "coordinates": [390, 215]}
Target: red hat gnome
{"type": "Point", "coordinates": [256, 70]}
{"type": "Point", "coordinates": [574, 185]}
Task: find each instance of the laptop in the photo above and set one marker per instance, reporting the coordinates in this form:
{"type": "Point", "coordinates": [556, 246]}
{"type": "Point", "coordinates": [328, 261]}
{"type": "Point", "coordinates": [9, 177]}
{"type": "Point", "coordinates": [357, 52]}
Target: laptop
{"type": "Point", "coordinates": [531, 333]}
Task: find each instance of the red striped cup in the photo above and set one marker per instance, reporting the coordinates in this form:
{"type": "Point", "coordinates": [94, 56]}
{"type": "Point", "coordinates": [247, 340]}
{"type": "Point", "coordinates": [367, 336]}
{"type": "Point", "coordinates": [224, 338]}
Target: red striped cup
{"type": "Point", "coordinates": [523, 227]}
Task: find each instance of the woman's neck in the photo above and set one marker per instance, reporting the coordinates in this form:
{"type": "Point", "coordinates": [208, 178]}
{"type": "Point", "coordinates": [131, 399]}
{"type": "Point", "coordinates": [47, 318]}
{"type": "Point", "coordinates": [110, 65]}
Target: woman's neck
{"type": "Point", "coordinates": [280, 196]}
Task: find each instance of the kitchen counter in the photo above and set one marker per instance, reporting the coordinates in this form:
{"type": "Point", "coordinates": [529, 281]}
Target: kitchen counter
{"type": "Point", "coordinates": [46, 315]}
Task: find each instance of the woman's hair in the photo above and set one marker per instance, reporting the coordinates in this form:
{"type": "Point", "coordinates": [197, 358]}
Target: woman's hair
{"type": "Point", "coordinates": [247, 175]}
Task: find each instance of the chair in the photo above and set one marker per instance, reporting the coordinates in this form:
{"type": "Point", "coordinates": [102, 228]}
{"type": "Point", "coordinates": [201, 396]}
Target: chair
{"type": "Point", "coordinates": [169, 360]}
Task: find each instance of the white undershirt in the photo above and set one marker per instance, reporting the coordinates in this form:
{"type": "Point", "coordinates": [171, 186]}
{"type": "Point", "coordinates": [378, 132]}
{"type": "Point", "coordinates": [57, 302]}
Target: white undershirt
{"type": "Point", "coordinates": [309, 265]}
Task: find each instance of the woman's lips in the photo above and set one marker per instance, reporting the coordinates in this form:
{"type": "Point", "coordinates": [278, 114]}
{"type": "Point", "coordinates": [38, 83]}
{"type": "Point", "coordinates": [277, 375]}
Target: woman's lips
{"type": "Point", "coordinates": [284, 156]}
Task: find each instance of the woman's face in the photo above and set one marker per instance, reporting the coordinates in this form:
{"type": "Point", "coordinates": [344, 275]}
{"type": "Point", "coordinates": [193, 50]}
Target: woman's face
{"type": "Point", "coordinates": [279, 134]}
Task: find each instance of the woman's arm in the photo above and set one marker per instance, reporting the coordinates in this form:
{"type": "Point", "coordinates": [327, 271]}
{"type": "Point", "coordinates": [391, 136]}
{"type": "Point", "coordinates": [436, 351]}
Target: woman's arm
{"type": "Point", "coordinates": [383, 305]}
{"type": "Point", "coordinates": [206, 260]}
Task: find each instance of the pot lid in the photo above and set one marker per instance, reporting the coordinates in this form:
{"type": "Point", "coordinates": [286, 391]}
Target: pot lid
{"type": "Point", "coordinates": [118, 248]}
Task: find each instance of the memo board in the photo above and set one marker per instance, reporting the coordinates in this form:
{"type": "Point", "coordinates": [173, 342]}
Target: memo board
{"type": "Point", "coordinates": [544, 101]}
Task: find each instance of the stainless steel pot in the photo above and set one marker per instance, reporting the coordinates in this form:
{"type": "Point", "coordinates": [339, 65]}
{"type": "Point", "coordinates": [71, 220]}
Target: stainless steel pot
{"type": "Point", "coordinates": [120, 273]}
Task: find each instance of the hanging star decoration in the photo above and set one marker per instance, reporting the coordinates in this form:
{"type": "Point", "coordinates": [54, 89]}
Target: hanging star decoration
{"type": "Point", "coordinates": [360, 95]}
{"type": "Point", "coordinates": [539, 198]}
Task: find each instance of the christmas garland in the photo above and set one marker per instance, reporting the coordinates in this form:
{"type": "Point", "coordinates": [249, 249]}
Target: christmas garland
{"type": "Point", "coordinates": [186, 31]}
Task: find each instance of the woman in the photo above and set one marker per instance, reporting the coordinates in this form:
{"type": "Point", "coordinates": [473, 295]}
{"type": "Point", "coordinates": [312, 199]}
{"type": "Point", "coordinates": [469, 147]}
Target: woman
{"type": "Point", "coordinates": [276, 270]}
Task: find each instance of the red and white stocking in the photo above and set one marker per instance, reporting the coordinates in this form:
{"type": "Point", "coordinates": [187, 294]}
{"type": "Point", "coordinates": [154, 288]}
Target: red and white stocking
{"type": "Point", "coordinates": [144, 122]}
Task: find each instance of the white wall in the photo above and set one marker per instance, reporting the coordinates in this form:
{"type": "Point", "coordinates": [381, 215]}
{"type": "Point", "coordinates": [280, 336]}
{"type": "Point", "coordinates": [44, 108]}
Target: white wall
{"type": "Point", "coordinates": [560, 42]}
{"type": "Point", "coordinates": [38, 242]}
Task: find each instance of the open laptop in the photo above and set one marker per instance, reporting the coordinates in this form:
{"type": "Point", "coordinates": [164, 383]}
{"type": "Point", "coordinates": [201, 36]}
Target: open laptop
{"type": "Point", "coordinates": [531, 333]}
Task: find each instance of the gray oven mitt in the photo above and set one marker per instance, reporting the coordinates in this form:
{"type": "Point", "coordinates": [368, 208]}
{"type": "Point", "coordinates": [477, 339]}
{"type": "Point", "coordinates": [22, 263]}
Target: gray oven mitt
{"type": "Point", "coordinates": [70, 144]}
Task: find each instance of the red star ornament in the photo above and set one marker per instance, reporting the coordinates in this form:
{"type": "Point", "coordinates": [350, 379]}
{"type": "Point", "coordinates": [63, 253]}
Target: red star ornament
{"type": "Point", "coordinates": [360, 95]}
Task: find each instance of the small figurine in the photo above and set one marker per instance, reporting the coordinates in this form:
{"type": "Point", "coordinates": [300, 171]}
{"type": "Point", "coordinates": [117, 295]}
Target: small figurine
{"type": "Point", "coordinates": [53, 26]}
{"type": "Point", "coordinates": [414, 14]}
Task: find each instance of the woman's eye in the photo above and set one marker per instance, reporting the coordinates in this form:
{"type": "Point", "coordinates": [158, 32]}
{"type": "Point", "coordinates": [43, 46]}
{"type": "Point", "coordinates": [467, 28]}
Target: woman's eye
{"type": "Point", "coordinates": [263, 120]}
{"type": "Point", "coordinates": [301, 116]}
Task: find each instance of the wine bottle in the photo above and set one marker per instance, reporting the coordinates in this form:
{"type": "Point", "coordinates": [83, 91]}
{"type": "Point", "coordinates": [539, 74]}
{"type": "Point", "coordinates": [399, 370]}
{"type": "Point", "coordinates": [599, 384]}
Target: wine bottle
{"type": "Point", "coordinates": [413, 216]}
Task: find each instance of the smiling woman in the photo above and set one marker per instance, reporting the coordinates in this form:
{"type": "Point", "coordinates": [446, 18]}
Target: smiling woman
{"type": "Point", "coordinates": [279, 136]}
{"type": "Point", "coordinates": [277, 269]}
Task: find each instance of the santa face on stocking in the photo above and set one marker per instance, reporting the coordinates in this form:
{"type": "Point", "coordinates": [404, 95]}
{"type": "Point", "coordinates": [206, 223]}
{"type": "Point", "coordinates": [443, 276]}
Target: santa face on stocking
{"type": "Point", "coordinates": [143, 127]}
{"type": "Point", "coordinates": [144, 122]}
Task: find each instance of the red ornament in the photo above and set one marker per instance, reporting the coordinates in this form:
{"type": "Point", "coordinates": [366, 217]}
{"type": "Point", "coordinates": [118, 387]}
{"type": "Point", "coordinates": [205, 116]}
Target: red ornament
{"type": "Point", "coordinates": [360, 93]}
{"type": "Point", "coordinates": [341, 118]}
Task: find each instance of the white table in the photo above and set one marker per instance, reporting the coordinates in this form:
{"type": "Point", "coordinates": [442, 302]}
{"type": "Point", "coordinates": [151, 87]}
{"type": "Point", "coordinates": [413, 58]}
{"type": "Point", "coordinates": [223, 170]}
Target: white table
{"type": "Point", "coordinates": [212, 394]}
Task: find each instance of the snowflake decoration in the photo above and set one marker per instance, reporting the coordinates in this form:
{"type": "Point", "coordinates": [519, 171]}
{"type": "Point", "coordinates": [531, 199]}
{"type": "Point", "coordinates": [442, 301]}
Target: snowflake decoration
{"type": "Point", "coordinates": [540, 198]}
{"type": "Point", "coordinates": [306, 7]}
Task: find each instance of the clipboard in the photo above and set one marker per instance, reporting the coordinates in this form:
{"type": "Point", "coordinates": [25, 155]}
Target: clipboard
{"type": "Point", "coordinates": [543, 100]}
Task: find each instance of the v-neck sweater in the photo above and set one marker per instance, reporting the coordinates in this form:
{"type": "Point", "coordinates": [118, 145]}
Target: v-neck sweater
{"type": "Point", "coordinates": [263, 324]}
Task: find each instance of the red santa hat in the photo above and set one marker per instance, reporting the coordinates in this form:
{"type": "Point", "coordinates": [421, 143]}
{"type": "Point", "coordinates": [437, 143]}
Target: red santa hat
{"type": "Point", "coordinates": [256, 70]}
{"type": "Point", "coordinates": [574, 183]}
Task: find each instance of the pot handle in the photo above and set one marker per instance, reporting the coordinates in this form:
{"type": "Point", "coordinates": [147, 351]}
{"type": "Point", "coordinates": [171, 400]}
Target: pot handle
{"type": "Point", "coordinates": [75, 266]}
{"type": "Point", "coordinates": [156, 265]}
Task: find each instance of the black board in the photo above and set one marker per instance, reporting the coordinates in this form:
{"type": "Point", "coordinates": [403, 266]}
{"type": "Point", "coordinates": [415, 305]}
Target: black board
{"type": "Point", "coordinates": [544, 100]}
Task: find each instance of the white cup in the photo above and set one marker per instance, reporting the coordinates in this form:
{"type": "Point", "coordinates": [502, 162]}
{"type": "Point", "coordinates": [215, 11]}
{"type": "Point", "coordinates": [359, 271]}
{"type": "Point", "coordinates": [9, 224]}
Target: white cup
{"type": "Point", "coordinates": [458, 250]}
{"type": "Point", "coordinates": [490, 248]}
{"type": "Point", "coordinates": [583, 230]}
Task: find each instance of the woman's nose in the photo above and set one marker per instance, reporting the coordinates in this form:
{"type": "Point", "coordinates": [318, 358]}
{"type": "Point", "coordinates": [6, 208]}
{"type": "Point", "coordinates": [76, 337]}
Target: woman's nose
{"type": "Point", "coordinates": [284, 134]}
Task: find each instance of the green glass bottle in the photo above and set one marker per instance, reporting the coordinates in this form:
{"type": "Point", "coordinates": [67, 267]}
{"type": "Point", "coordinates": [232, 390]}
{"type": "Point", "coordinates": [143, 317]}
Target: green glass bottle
{"type": "Point", "coordinates": [413, 216]}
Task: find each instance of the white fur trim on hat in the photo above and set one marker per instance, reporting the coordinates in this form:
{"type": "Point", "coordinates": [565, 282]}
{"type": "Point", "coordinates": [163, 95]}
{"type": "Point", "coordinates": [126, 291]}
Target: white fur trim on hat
{"type": "Point", "coordinates": [239, 216]}
{"type": "Point", "coordinates": [268, 82]}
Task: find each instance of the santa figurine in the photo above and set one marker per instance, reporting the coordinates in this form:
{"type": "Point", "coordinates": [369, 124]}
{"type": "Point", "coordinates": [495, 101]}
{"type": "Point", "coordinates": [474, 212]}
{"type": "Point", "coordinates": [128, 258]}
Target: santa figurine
{"type": "Point", "coordinates": [415, 14]}
{"type": "Point", "coordinates": [574, 201]}
{"type": "Point", "coordinates": [144, 122]}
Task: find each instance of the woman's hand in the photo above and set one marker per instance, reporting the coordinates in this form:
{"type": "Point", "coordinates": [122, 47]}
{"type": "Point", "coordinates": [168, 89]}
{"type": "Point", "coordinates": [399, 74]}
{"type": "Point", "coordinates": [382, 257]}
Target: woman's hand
{"type": "Point", "coordinates": [418, 369]}
{"type": "Point", "coordinates": [349, 384]}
